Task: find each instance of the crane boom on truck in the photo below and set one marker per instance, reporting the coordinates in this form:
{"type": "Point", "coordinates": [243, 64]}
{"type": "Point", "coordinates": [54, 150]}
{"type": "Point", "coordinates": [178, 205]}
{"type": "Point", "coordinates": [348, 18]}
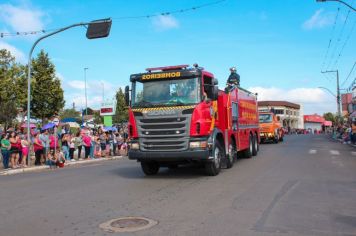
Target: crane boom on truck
{"type": "Point", "coordinates": [178, 115]}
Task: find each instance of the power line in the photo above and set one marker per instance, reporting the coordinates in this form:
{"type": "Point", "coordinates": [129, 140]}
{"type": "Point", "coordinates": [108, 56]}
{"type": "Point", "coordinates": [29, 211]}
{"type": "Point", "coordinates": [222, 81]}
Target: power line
{"type": "Point", "coordinates": [349, 74]}
{"type": "Point", "coordinates": [338, 40]}
{"type": "Point", "coordinates": [340, 36]}
{"type": "Point", "coordinates": [174, 12]}
{"type": "Point", "coordinates": [327, 77]}
{"type": "Point", "coordinates": [331, 37]}
{"type": "Point", "coordinates": [346, 41]}
{"type": "Point", "coordinates": [170, 12]}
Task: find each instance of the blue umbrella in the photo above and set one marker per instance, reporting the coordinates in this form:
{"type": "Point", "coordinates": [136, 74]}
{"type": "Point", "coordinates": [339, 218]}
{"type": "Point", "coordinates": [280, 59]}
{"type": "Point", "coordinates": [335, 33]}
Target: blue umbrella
{"type": "Point", "coordinates": [66, 120]}
{"type": "Point", "coordinates": [109, 128]}
{"type": "Point", "coordinates": [48, 126]}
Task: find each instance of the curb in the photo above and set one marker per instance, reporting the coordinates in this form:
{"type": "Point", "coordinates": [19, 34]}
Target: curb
{"type": "Point", "coordinates": [37, 168]}
{"type": "Point", "coordinates": [342, 142]}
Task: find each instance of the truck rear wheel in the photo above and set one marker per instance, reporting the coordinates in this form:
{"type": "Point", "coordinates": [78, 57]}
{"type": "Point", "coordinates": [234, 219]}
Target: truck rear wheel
{"type": "Point", "coordinates": [230, 157]}
{"type": "Point", "coordinates": [213, 167]}
{"type": "Point", "coordinates": [150, 167]}
{"type": "Point", "coordinates": [249, 150]}
{"type": "Point", "coordinates": [255, 145]}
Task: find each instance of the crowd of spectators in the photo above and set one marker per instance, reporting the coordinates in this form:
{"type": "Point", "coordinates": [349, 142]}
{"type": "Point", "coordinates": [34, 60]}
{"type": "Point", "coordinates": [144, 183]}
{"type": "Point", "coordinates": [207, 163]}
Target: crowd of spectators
{"type": "Point", "coordinates": [346, 132]}
{"type": "Point", "coordinates": [54, 146]}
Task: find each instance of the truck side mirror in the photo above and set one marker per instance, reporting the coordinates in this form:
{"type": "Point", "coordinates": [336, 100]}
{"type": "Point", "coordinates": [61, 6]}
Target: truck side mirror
{"type": "Point", "coordinates": [127, 95]}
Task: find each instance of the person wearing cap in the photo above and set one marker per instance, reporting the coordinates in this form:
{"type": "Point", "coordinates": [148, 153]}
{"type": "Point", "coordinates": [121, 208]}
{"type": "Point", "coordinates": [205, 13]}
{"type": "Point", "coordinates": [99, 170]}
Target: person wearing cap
{"type": "Point", "coordinates": [232, 81]}
{"type": "Point", "coordinates": [234, 78]}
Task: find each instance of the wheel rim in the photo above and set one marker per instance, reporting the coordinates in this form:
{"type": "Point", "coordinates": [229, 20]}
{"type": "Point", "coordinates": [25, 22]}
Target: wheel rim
{"type": "Point", "coordinates": [256, 143]}
{"type": "Point", "coordinates": [231, 153]}
{"type": "Point", "coordinates": [251, 147]}
{"type": "Point", "coordinates": [216, 157]}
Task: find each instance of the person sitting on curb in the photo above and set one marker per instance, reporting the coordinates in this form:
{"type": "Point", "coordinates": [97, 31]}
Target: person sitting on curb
{"type": "Point", "coordinates": [52, 160]}
{"type": "Point", "coordinates": [60, 158]}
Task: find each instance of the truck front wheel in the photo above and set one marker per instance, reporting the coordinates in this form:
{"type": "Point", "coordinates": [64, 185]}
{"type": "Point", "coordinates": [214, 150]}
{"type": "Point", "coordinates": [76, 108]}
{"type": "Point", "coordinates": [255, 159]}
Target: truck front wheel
{"type": "Point", "coordinates": [276, 137]}
{"type": "Point", "coordinates": [213, 167]}
{"type": "Point", "coordinates": [149, 168]}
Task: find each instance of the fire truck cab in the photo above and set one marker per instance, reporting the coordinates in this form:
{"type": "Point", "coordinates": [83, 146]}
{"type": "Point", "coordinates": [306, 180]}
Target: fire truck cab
{"type": "Point", "coordinates": [178, 115]}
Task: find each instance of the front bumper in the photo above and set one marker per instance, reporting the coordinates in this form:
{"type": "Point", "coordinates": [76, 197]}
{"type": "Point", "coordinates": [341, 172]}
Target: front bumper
{"type": "Point", "coordinates": [189, 155]}
{"type": "Point", "coordinates": [266, 136]}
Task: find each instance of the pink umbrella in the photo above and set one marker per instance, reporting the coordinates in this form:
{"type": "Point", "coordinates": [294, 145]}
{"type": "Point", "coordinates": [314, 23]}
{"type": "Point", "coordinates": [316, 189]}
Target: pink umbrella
{"type": "Point", "coordinates": [25, 126]}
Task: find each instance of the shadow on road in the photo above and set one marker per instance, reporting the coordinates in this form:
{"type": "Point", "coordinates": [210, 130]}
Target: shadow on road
{"type": "Point", "coordinates": [184, 171]}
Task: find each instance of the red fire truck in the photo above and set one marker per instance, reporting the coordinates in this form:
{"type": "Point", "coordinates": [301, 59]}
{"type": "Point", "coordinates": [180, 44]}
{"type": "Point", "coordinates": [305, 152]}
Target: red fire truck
{"type": "Point", "coordinates": [178, 115]}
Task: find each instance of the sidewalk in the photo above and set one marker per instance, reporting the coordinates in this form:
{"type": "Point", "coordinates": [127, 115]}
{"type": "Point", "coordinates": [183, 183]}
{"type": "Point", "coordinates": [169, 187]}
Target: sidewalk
{"type": "Point", "coordinates": [68, 163]}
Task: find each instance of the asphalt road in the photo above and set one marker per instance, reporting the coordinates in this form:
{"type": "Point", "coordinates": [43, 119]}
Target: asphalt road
{"type": "Point", "coordinates": [304, 186]}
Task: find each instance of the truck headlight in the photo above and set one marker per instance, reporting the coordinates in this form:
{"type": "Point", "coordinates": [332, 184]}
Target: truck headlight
{"type": "Point", "coordinates": [134, 146]}
{"type": "Point", "coordinates": [198, 144]}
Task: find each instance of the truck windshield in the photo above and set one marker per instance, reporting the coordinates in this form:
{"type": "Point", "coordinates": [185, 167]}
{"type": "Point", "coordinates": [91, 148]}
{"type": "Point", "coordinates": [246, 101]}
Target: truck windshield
{"type": "Point", "coordinates": [265, 118]}
{"type": "Point", "coordinates": [166, 93]}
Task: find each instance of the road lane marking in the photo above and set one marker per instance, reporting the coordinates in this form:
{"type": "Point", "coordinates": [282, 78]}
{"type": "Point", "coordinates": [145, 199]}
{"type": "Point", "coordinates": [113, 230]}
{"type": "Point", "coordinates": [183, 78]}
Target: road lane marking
{"type": "Point", "coordinates": [353, 153]}
{"type": "Point", "coordinates": [334, 152]}
{"type": "Point", "coordinates": [312, 151]}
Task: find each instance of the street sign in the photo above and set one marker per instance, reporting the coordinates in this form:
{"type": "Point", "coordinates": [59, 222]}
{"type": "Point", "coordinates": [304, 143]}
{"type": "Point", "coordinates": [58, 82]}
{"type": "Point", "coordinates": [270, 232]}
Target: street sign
{"type": "Point", "coordinates": [107, 108]}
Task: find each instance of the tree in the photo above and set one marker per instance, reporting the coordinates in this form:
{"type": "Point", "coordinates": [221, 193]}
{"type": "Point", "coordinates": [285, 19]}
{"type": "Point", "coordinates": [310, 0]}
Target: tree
{"type": "Point", "coordinates": [90, 111]}
{"type": "Point", "coordinates": [98, 119]}
{"type": "Point", "coordinates": [69, 113]}
{"type": "Point", "coordinates": [330, 117]}
{"type": "Point", "coordinates": [8, 101]}
{"type": "Point", "coordinates": [121, 113]}
{"type": "Point", "coordinates": [46, 92]}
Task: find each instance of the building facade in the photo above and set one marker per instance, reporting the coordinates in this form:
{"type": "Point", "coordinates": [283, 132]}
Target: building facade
{"type": "Point", "coordinates": [314, 122]}
{"type": "Point", "coordinates": [290, 114]}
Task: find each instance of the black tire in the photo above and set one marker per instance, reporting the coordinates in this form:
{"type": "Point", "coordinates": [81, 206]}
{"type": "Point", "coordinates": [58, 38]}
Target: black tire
{"type": "Point", "coordinates": [281, 136]}
{"type": "Point", "coordinates": [254, 145]}
{"type": "Point", "coordinates": [248, 151]}
{"type": "Point", "coordinates": [212, 168]}
{"type": "Point", "coordinates": [231, 156]}
{"type": "Point", "coordinates": [276, 138]}
{"type": "Point", "coordinates": [149, 168]}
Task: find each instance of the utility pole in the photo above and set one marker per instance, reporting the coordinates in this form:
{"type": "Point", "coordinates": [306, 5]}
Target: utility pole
{"type": "Point", "coordinates": [337, 90]}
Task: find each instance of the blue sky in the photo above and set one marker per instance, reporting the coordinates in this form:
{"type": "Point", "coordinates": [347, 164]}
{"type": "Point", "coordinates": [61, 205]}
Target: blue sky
{"type": "Point", "coordinates": [278, 46]}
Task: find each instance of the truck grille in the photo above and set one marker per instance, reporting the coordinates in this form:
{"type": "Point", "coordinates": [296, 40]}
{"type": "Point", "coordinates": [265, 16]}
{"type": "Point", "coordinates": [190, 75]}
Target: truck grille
{"type": "Point", "coordinates": [163, 133]}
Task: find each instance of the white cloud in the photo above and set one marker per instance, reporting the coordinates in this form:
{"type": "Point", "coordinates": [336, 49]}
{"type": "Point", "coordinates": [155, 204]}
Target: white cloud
{"type": "Point", "coordinates": [319, 19]}
{"type": "Point", "coordinates": [165, 22]}
{"type": "Point", "coordinates": [77, 84]}
{"type": "Point", "coordinates": [60, 77]}
{"type": "Point", "coordinates": [21, 18]}
{"type": "Point", "coordinates": [314, 100]}
{"type": "Point", "coordinates": [18, 54]}
{"type": "Point", "coordinates": [79, 101]}
{"type": "Point", "coordinates": [74, 92]}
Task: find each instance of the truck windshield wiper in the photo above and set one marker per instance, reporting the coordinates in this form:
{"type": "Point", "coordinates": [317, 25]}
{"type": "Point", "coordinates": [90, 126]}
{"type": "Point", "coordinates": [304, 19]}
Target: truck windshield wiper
{"type": "Point", "coordinates": [143, 103]}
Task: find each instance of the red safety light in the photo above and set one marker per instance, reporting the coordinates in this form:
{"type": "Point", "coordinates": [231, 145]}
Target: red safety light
{"type": "Point", "coordinates": [165, 68]}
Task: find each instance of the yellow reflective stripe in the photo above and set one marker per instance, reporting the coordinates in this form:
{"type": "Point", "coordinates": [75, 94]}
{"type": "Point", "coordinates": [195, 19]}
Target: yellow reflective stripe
{"type": "Point", "coordinates": [215, 108]}
{"type": "Point", "coordinates": [162, 108]}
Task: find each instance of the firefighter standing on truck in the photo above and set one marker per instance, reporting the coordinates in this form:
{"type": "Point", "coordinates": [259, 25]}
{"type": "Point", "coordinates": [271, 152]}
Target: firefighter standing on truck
{"type": "Point", "coordinates": [233, 80]}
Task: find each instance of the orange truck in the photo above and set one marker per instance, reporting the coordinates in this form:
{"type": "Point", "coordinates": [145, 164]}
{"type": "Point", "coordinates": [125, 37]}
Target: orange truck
{"type": "Point", "coordinates": [270, 127]}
